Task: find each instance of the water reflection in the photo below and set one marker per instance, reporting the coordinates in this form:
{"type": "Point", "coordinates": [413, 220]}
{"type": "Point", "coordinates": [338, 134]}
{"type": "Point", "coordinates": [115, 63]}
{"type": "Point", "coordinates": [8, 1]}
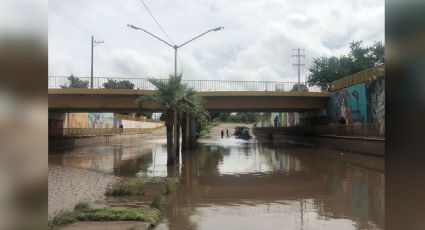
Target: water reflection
{"type": "Point", "coordinates": [253, 186]}
{"type": "Point", "coordinates": [233, 184]}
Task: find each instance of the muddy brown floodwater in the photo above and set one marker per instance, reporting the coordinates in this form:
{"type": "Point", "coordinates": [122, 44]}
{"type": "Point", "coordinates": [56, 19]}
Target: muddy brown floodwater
{"type": "Point", "coordinates": [236, 184]}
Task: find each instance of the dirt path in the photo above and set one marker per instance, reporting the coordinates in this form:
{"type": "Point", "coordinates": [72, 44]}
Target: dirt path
{"type": "Point", "coordinates": [215, 132]}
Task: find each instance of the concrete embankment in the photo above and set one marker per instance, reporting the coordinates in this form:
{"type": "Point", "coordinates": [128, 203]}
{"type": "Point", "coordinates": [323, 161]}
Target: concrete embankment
{"type": "Point", "coordinates": [358, 144]}
{"type": "Point", "coordinates": [62, 143]}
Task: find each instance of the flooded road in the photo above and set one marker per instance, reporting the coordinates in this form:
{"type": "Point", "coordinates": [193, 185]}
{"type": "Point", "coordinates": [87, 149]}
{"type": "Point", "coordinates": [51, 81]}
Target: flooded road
{"type": "Point", "coordinates": [235, 184]}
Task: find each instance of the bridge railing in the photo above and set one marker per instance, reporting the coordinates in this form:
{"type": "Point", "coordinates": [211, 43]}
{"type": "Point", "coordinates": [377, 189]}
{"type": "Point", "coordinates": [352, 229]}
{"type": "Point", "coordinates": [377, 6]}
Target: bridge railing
{"type": "Point", "coordinates": [198, 85]}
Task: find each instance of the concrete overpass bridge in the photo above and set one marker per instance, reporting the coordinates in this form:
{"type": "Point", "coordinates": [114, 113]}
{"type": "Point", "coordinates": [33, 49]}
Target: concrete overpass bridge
{"type": "Point", "coordinates": [232, 96]}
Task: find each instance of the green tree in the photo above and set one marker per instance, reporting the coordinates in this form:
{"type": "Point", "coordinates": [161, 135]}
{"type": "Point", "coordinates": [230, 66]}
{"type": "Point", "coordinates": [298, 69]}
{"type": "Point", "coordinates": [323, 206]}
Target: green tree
{"type": "Point", "coordinates": [263, 118]}
{"type": "Point", "coordinates": [114, 84]}
{"type": "Point", "coordinates": [328, 69]}
{"type": "Point", "coordinates": [299, 88]}
{"type": "Point", "coordinates": [173, 97]}
{"type": "Point", "coordinates": [75, 82]}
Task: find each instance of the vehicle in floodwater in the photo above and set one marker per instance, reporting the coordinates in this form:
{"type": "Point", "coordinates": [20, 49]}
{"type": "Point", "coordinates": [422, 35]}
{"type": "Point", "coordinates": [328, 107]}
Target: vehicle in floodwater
{"type": "Point", "coordinates": [242, 132]}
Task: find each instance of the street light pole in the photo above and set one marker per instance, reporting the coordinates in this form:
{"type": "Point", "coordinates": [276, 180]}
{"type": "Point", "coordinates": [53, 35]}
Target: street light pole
{"type": "Point", "coordinates": [175, 60]}
{"type": "Point", "coordinates": [175, 47]}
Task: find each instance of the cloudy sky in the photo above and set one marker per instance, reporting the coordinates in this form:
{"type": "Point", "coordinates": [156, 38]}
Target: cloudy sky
{"type": "Point", "coordinates": [256, 43]}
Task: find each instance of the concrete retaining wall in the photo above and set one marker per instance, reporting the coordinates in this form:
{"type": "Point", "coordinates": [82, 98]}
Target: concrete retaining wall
{"type": "Point", "coordinates": [61, 143]}
{"type": "Point", "coordinates": [369, 146]}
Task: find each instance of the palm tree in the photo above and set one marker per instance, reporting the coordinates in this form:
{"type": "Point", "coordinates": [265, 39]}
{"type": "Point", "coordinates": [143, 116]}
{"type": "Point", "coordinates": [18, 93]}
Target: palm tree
{"type": "Point", "coordinates": [189, 105]}
{"type": "Point", "coordinates": [175, 98]}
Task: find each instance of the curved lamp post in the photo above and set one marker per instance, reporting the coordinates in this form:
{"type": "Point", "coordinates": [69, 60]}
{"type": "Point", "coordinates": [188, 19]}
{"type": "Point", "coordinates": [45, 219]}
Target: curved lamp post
{"type": "Point", "coordinates": [175, 47]}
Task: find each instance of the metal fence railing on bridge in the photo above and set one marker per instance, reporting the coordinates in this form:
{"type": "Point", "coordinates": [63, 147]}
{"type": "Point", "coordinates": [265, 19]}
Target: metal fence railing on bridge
{"type": "Point", "coordinates": [198, 85]}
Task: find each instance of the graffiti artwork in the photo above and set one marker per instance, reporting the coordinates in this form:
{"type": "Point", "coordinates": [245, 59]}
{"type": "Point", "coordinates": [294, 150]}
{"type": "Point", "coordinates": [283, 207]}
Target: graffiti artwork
{"type": "Point", "coordinates": [106, 120]}
{"type": "Point", "coordinates": [349, 103]}
{"type": "Point", "coordinates": [284, 120]}
{"type": "Point", "coordinates": [93, 120]}
{"type": "Point", "coordinates": [375, 95]}
{"type": "Point", "coordinates": [291, 119]}
{"type": "Point", "coordinates": [77, 120]}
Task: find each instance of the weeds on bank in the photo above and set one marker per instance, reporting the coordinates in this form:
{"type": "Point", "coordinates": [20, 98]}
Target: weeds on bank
{"type": "Point", "coordinates": [128, 187]}
{"type": "Point", "coordinates": [140, 187]}
{"type": "Point", "coordinates": [159, 188]}
{"type": "Point", "coordinates": [83, 212]}
{"type": "Point", "coordinates": [207, 128]}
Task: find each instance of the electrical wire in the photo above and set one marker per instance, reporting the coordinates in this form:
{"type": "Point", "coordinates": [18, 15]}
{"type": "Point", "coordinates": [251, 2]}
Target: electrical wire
{"type": "Point", "coordinates": [156, 21]}
{"type": "Point", "coordinates": [71, 49]}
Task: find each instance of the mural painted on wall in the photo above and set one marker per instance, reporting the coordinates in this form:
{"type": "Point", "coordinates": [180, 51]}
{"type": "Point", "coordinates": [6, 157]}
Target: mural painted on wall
{"type": "Point", "coordinates": [101, 120]}
{"type": "Point", "coordinates": [375, 96]}
{"type": "Point", "coordinates": [349, 103]}
{"type": "Point", "coordinates": [117, 123]}
{"type": "Point", "coordinates": [106, 120]}
{"type": "Point", "coordinates": [93, 120]}
{"type": "Point", "coordinates": [77, 120]}
{"type": "Point", "coordinates": [291, 119]}
{"type": "Point", "coordinates": [284, 119]}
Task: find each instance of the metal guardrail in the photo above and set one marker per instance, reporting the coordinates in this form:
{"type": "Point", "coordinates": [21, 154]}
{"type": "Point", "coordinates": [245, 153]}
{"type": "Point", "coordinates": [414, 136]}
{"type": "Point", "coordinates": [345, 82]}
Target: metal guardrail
{"type": "Point", "coordinates": [87, 132]}
{"type": "Point", "coordinates": [362, 76]}
{"type": "Point", "coordinates": [348, 130]}
{"type": "Point", "coordinates": [198, 85]}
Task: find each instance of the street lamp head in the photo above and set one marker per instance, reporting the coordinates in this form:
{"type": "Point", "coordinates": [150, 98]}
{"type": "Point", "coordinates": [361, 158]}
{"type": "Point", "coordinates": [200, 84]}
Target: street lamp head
{"type": "Point", "coordinates": [133, 27]}
{"type": "Point", "coordinates": [218, 28]}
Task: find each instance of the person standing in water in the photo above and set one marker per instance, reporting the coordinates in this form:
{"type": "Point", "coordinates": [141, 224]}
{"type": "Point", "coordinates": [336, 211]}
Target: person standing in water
{"type": "Point", "coordinates": [222, 133]}
{"type": "Point", "coordinates": [227, 132]}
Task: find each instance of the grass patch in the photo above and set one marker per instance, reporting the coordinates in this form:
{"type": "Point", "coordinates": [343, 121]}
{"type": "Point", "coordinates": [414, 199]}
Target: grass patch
{"type": "Point", "coordinates": [143, 187]}
{"type": "Point", "coordinates": [83, 212]}
{"type": "Point", "coordinates": [127, 187]}
{"type": "Point", "coordinates": [170, 186]}
{"type": "Point", "coordinates": [157, 202]}
{"type": "Point", "coordinates": [207, 128]}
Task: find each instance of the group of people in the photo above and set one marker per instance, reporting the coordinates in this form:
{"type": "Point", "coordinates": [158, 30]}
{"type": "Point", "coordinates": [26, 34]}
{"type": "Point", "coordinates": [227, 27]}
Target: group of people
{"type": "Point", "coordinates": [222, 133]}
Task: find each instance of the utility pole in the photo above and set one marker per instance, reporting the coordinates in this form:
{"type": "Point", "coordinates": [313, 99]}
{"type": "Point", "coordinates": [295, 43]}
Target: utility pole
{"type": "Point", "coordinates": [298, 55]}
{"type": "Point", "coordinates": [92, 45]}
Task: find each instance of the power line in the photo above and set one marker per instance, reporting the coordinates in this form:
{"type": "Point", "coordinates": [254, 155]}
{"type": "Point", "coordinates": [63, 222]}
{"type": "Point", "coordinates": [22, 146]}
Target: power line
{"type": "Point", "coordinates": [162, 29]}
{"type": "Point", "coordinates": [156, 21]}
{"type": "Point", "coordinates": [67, 20]}
{"type": "Point", "coordinates": [71, 49]}
{"type": "Point", "coordinates": [61, 12]}
{"type": "Point", "coordinates": [83, 29]}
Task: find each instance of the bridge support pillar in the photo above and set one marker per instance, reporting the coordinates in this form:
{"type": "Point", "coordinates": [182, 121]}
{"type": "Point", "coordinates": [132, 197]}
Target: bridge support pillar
{"type": "Point", "coordinates": [193, 123]}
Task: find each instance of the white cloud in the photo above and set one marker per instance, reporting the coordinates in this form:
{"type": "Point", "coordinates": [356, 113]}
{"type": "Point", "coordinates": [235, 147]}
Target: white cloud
{"type": "Point", "coordinates": [256, 43]}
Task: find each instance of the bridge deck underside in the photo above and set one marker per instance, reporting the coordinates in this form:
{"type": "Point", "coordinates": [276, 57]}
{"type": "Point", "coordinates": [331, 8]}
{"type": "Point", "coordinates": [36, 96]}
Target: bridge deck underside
{"type": "Point", "coordinates": [213, 101]}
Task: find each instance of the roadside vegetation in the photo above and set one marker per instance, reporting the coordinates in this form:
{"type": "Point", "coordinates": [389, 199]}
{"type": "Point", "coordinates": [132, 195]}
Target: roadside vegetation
{"type": "Point", "coordinates": [328, 69]}
{"type": "Point", "coordinates": [207, 128]}
{"type": "Point", "coordinates": [241, 117]}
{"type": "Point", "coordinates": [75, 82]}
{"type": "Point", "coordinates": [83, 212]}
{"type": "Point", "coordinates": [115, 84]}
{"type": "Point", "coordinates": [152, 191]}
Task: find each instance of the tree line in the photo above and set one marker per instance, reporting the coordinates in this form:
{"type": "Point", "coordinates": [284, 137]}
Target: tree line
{"type": "Point", "coordinates": [327, 69]}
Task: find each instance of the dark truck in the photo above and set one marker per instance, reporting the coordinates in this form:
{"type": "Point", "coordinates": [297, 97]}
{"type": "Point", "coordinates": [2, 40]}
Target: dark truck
{"type": "Point", "coordinates": [242, 132]}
